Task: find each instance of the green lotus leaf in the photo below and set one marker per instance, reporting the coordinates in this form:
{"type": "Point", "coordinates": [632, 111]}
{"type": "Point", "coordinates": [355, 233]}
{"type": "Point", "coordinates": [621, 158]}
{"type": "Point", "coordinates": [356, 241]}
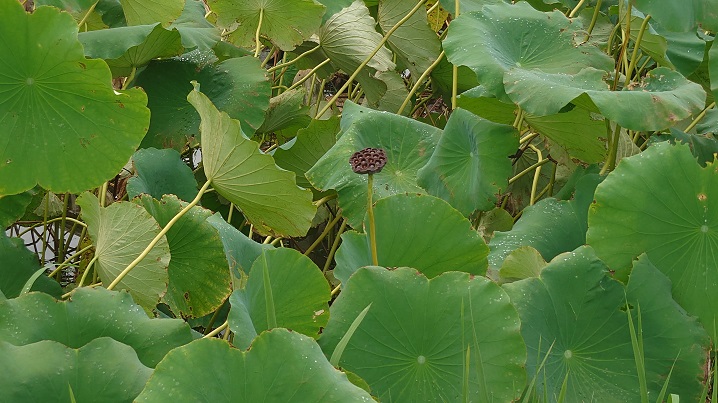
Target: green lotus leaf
{"type": "Point", "coordinates": [709, 124]}
{"type": "Point", "coordinates": [266, 194]}
{"type": "Point", "coordinates": [281, 366]}
{"type": "Point", "coordinates": [470, 164]}
{"type": "Point", "coordinates": [13, 207]}
{"type": "Point", "coordinates": [395, 93]}
{"type": "Point", "coordinates": [120, 232]}
{"type": "Point", "coordinates": [285, 110]}
{"type": "Point", "coordinates": [450, 338]}
{"type": "Point", "coordinates": [550, 226]}
{"type": "Point", "coordinates": [127, 48]}
{"type": "Point", "coordinates": [713, 69]}
{"type": "Point", "coordinates": [239, 250]}
{"type": "Point", "coordinates": [467, 5]}
{"type": "Point", "coordinates": [103, 370]}
{"type": "Point", "coordinates": [196, 31]}
{"type": "Point", "coordinates": [79, 128]}
{"type": "Point", "coordinates": [408, 145]}
{"type": "Point", "coordinates": [286, 23]}
{"type": "Point", "coordinates": [491, 43]}
{"type": "Point", "coordinates": [104, 14]}
{"type": "Point", "coordinates": [442, 78]}
{"type": "Point", "coordinates": [419, 231]}
{"type": "Point", "coordinates": [658, 102]}
{"type": "Point", "coordinates": [302, 152]}
{"type": "Point", "coordinates": [478, 101]}
{"type": "Point", "coordinates": [236, 86]}
{"type": "Point", "coordinates": [161, 172]}
{"type": "Point", "coordinates": [703, 146]}
{"type": "Point", "coordinates": [298, 291]}
{"type": "Point", "coordinates": [578, 312]}
{"type": "Point", "coordinates": [17, 266]}
{"type": "Point", "coordinates": [90, 314]}
{"type": "Point", "coordinates": [663, 203]}
{"type": "Point", "coordinates": [676, 17]}
{"type": "Point", "coordinates": [414, 43]}
{"type": "Point", "coordinates": [141, 12]}
{"type": "Point", "coordinates": [524, 262]}
{"type": "Point", "coordinates": [348, 38]}
{"type": "Point", "coordinates": [198, 272]}
{"type": "Point", "coordinates": [578, 131]}
{"type": "Point", "coordinates": [333, 7]}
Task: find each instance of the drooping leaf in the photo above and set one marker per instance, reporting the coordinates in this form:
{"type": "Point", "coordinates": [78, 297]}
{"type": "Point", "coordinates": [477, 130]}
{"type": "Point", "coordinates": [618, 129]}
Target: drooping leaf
{"type": "Point", "coordinates": [120, 232]}
{"type": "Point", "coordinates": [414, 43]}
{"type": "Point", "coordinates": [471, 162]}
{"type": "Point", "coordinates": [286, 23]}
{"type": "Point", "coordinates": [421, 339]}
{"type": "Point", "coordinates": [662, 203]}
{"type": "Point", "coordinates": [302, 152]}
{"type": "Point", "coordinates": [67, 135]}
{"type": "Point", "coordinates": [286, 109]}
{"type": "Point", "coordinates": [196, 31]}
{"type": "Point", "coordinates": [140, 12]}
{"type": "Point", "coordinates": [239, 250]}
{"type": "Point", "coordinates": [17, 265]}
{"type": "Point", "coordinates": [550, 226]}
{"type": "Point", "coordinates": [524, 262]}
{"type": "Point", "coordinates": [198, 272]}
{"type": "Point", "coordinates": [478, 101]}
{"type": "Point", "coordinates": [663, 98]}
{"type": "Point", "coordinates": [13, 207]}
{"type": "Point", "coordinates": [492, 42]}
{"type": "Point", "coordinates": [237, 86]}
{"type": "Point", "coordinates": [104, 370]}
{"type": "Point", "coordinates": [300, 297]}
{"type": "Point", "coordinates": [99, 18]}
{"type": "Point", "coordinates": [266, 194]}
{"type": "Point", "coordinates": [161, 172]}
{"type": "Point", "coordinates": [408, 145]}
{"type": "Point", "coordinates": [407, 226]}
{"type": "Point", "coordinates": [578, 311]}
{"type": "Point", "coordinates": [704, 147]}
{"type": "Point", "coordinates": [90, 314]}
{"type": "Point", "coordinates": [281, 366]}
{"type": "Point", "coordinates": [128, 48]}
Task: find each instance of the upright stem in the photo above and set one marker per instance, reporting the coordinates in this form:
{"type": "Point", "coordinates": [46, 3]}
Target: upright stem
{"type": "Point", "coordinates": [634, 55]}
{"type": "Point", "coordinates": [370, 212]}
{"type": "Point", "coordinates": [419, 82]}
{"type": "Point", "coordinates": [159, 236]}
{"type": "Point", "coordinates": [256, 35]}
{"type": "Point", "coordinates": [455, 68]}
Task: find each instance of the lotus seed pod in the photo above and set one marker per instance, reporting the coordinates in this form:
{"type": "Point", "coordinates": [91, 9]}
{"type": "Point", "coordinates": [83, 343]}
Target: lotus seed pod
{"type": "Point", "coordinates": [368, 161]}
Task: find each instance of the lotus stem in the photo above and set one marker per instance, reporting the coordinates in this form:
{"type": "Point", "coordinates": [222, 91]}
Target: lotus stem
{"type": "Point", "coordinates": [634, 55]}
{"type": "Point", "coordinates": [217, 330]}
{"type": "Point", "coordinates": [370, 213]}
{"type": "Point", "coordinates": [596, 11]}
{"type": "Point", "coordinates": [324, 233]}
{"type": "Point", "coordinates": [296, 59]}
{"type": "Point", "coordinates": [420, 81]}
{"type": "Point", "coordinates": [699, 117]}
{"type": "Point", "coordinates": [257, 43]}
{"type": "Point", "coordinates": [335, 245]}
{"type": "Point", "coordinates": [310, 74]}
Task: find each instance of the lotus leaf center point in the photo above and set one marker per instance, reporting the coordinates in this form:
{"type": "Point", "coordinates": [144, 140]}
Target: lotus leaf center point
{"type": "Point", "coordinates": [421, 359]}
{"type": "Point", "coordinates": [568, 353]}
{"type": "Point", "coordinates": [704, 228]}
{"type": "Point", "coordinates": [30, 81]}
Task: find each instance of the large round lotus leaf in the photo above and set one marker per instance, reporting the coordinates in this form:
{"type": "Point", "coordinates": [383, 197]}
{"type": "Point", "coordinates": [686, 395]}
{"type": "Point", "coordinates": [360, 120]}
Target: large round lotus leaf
{"type": "Point", "coordinates": [663, 98]}
{"type": "Point", "coordinates": [267, 195]}
{"type": "Point", "coordinates": [578, 312]}
{"type": "Point", "coordinates": [90, 314]}
{"type": "Point", "coordinates": [502, 36]}
{"type": "Point", "coordinates": [67, 135]}
{"type": "Point", "coordinates": [408, 145]}
{"type": "Point", "coordinates": [239, 250]}
{"type": "Point", "coordinates": [120, 233]}
{"type": "Point", "coordinates": [466, 5]}
{"type": "Point", "coordinates": [237, 86]}
{"type": "Point", "coordinates": [138, 12]}
{"type": "Point", "coordinates": [198, 272]}
{"type": "Point", "coordinates": [471, 163]}
{"type": "Point", "coordinates": [128, 48]}
{"type": "Point", "coordinates": [17, 265]}
{"type": "Point", "coordinates": [663, 203]}
{"type": "Point", "coordinates": [298, 292]}
{"type": "Point", "coordinates": [104, 370]}
{"type": "Point", "coordinates": [418, 231]}
{"type": "Point", "coordinates": [287, 23]}
{"type": "Point", "coordinates": [281, 366]}
{"type": "Point", "coordinates": [449, 339]}
{"type": "Point", "coordinates": [161, 172]}
{"type": "Point", "coordinates": [414, 43]}
{"type": "Point", "coordinates": [302, 152]}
